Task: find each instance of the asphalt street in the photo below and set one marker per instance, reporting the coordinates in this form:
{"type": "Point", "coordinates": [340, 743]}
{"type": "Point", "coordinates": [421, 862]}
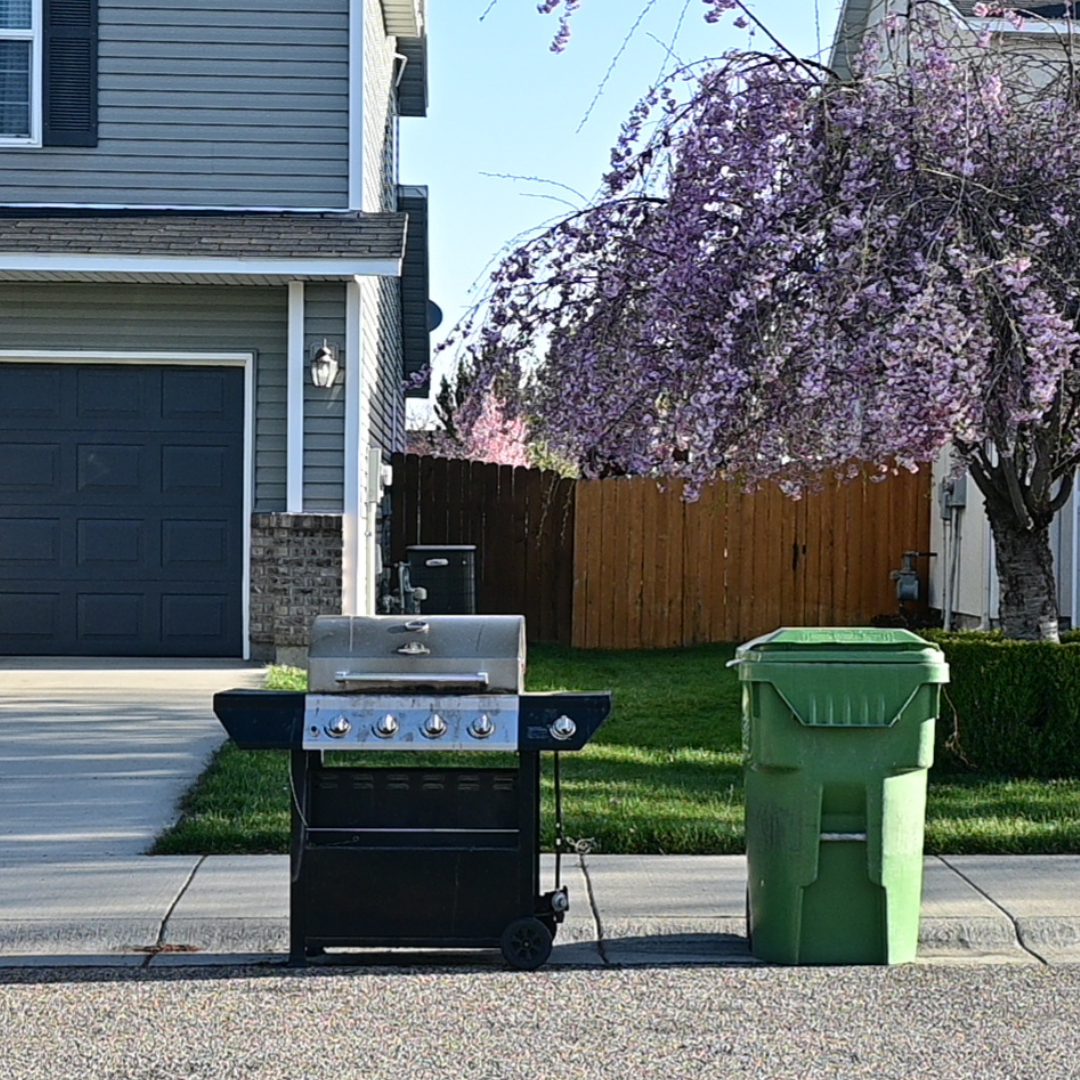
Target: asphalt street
{"type": "Point", "coordinates": [471, 1023]}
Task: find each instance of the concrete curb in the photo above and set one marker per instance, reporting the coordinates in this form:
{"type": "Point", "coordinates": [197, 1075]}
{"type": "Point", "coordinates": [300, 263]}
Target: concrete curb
{"type": "Point", "coordinates": [626, 911]}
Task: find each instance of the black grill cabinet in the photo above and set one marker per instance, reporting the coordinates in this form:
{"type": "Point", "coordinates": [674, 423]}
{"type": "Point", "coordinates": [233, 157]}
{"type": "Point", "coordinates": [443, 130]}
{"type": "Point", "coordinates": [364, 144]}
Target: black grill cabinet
{"type": "Point", "coordinates": [399, 850]}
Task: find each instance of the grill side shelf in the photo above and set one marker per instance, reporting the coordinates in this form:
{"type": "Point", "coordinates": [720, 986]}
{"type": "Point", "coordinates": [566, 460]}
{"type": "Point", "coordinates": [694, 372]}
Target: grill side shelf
{"type": "Point", "coordinates": [262, 719]}
{"type": "Point", "coordinates": [537, 712]}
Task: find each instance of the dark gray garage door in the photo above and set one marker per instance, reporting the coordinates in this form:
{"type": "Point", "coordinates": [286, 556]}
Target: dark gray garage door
{"type": "Point", "coordinates": [121, 507]}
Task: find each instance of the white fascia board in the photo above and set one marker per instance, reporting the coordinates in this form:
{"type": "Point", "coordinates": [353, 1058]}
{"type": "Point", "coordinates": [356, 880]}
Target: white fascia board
{"type": "Point", "coordinates": [354, 560]}
{"type": "Point", "coordinates": [135, 264]}
{"type": "Point", "coordinates": [184, 208]}
{"type": "Point", "coordinates": [294, 397]}
{"type": "Point", "coordinates": [123, 356]}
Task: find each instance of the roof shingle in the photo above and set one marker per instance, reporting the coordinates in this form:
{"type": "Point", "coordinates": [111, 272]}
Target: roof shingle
{"type": "Point", "coordinates": [209, 234]}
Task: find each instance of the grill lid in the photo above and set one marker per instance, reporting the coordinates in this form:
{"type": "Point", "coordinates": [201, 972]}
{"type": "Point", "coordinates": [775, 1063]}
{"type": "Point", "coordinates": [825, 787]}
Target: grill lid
{"type": "Point", "coordinates": [444, 653]}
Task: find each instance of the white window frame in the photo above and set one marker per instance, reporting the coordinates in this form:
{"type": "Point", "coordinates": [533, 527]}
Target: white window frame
{"type": "Point", "coordinates": [34, 36]}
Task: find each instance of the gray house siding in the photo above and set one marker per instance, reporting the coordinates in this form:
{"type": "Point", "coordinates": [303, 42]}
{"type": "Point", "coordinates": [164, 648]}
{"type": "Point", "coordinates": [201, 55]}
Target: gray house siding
{"type": "Point", "coordinates": [163, 318]}
{"type": "Point", "coordinates": [207, 104]}
{"type": "Point", "coordinates": [324, 410]}
{"type": "Point", "coordinates": [383, 362]}
{"type": "Point", "coordinates": [380, 131]}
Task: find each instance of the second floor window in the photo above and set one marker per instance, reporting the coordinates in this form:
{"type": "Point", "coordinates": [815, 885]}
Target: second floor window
{"type": "Point", "coordinates": [19, 57]}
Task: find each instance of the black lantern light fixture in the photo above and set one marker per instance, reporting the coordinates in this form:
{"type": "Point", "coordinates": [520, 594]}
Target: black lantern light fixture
{"type": "Point", "coordinates": [324, 365]}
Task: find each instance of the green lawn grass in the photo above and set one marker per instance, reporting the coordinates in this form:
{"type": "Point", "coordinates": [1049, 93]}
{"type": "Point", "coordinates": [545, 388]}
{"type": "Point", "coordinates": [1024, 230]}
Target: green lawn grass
{"type": "Point", "coordinates": [664, 774]}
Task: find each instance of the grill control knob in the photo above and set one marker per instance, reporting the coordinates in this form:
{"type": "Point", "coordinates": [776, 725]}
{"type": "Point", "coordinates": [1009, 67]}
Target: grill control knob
{"type": "Point", "coordinates": [434, 726]}
{"type": "Point", "coordinates": [338, 728]}
{"type": "Point", "coordinates": [386, 727]}
{"type": "Point", "coordinates": [563, 728]}
{"type": "Point", "coordinates": [482, 727]}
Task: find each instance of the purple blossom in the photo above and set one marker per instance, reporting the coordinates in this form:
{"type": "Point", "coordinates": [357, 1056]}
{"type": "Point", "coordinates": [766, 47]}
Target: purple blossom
{"type": "Point", "coordinates": [785, 274]}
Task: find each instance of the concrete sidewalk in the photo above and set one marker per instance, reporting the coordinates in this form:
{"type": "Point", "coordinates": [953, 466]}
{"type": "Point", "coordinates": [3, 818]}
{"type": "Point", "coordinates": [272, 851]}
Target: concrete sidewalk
{"type": "Point", "coordinates": [94, 755]}
{"type": "Point", "coordinates": [626, 910]}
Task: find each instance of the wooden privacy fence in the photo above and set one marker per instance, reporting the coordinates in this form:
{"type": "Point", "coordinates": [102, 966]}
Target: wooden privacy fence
{"type": "Point", "coordinates": [521, 521]}
{"type": "Point", "coordinates": [621, 564]}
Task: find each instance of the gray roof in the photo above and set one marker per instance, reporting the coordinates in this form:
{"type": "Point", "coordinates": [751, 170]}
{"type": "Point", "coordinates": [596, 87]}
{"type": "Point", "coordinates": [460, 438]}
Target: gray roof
{"type": "Point", "coordinates": [211, 235]}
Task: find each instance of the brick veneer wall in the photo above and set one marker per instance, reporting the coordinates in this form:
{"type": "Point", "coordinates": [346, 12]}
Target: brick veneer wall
{"type": "Point", "coordinates": [295, 575]}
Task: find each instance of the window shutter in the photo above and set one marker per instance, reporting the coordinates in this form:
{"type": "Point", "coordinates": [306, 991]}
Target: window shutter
{"type": "Point", "coordinates": [70, 71]}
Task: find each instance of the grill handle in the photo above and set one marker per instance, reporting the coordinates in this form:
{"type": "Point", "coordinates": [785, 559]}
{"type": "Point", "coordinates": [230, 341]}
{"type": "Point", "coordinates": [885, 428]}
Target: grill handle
{"type": "Point", "coordinates": [456, 680]}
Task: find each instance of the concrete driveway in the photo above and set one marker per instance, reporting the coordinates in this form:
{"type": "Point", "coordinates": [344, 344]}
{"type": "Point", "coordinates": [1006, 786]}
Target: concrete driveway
{"type": "Point", "coordinates": [95, 753]}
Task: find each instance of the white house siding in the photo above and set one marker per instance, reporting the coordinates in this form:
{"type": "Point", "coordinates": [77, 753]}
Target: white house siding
{"type": "Point", "coordinates": [186, 318]}
{"type": "Point", "coordinates": [975, 600]}
{"type": "Point", "coordinates": [207, 104]}
{"type": "Point", "coordinates": [968, 541]}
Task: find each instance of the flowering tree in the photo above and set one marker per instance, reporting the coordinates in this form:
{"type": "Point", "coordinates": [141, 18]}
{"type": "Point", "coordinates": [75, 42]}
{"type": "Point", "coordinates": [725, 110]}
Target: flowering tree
{"type": "Point", "coordinates": [487, 432]}
{"type": "Point", "coordinates": [787, 275]}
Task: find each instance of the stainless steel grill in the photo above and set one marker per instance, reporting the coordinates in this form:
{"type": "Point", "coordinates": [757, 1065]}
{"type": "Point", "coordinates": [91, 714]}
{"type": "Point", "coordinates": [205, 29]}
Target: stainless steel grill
{"type": "Point", "coordinates": [419, 855]}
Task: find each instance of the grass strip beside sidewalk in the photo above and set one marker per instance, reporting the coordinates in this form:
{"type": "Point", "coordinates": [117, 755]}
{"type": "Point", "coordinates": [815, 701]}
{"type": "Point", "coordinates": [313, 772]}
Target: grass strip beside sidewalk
{"type": "Point", "coordinates": [664, 774]}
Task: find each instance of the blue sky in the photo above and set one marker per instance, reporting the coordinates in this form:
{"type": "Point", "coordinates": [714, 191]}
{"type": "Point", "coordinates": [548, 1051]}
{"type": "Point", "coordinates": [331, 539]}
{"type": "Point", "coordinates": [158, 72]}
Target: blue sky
{"type": "Point", "coordinates": [502, 105]}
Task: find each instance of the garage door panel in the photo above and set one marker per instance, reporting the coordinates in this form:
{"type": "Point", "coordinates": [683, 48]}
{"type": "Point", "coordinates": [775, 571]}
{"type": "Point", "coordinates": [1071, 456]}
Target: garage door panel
{"type": "Point", "coordinates": [30, 392]}
{"type": "Point", "coordinates": [190, 469]}
{"type": "Point", "coordinates": [114, 394]}
{"type": "Point", "coordinates": [191, 617]}
{"type": "Point", "coordinates": [194, 393]}
{"type": "Point", "coordinates": [117, 537]}
{"type": "Point", "coordinates": [113, 467]}
{"type": "Point", "coordinates": [195, 546]}
{"type": "Point", "coordinates": [29, 466]}
{"type": "Point", "coordinates": [110, 541]}
{"type": "Point", "coordinates": [118, 617]}
{"type": "Point", "coordinates": [32, 617]}
{"type": "Point", "coordinates": [30, 540]}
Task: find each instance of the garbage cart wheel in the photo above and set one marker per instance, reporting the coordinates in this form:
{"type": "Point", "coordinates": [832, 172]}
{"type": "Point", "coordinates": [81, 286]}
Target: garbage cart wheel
{"type": "Point", "coordinates": [526, 944]}
{"type": "Point", "coordinates": [749, 935]}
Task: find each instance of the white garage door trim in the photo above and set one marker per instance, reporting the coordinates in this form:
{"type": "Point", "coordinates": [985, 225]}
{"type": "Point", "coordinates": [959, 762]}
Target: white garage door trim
{"type": "Point", "coordinates": [246, 360]}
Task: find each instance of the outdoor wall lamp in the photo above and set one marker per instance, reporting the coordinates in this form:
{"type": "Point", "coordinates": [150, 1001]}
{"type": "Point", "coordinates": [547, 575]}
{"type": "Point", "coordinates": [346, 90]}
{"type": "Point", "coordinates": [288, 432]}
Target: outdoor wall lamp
{"type": "Point", "coordinates": [324, 366]}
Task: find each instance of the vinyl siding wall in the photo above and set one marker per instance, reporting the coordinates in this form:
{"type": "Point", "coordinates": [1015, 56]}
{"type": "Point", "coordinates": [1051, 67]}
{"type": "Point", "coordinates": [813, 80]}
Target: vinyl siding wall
{"type": "Point", "coordinates": [166, 317]}
{"type": "Point", "coordinates": [383, 364]}
{"type": "Point", "coordinates": [380, 300]}
{"type": "Point", "coordinates": [380, 112]}
{"type": "Point", "coordinates": [324, 410]}
{"type": "Point", "coordinates": [205, 103]}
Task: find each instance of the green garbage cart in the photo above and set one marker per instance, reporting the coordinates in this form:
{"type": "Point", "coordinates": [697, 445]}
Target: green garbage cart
{"type": "Point", "coordinates": [838, 730]}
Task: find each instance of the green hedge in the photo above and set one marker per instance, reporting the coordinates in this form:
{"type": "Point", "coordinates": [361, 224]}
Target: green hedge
{"type": "Point", "coordinates": [1012, 708]}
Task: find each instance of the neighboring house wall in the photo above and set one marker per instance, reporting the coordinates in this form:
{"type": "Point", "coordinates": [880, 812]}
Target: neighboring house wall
{"type": "Point", "coordinates": [963, 576]}
{"type": "Point", "coordinates": [207, 104]}
{"type": "Point", "coordinates": [169, 318]}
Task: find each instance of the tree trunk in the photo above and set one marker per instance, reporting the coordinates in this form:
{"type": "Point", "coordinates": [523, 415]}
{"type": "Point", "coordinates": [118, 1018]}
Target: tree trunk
{"type": "Point", "coordinates": [1025, 567]}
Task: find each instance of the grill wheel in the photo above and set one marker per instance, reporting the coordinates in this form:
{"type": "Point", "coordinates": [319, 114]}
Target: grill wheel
{"type": "Point", "coordinates": [526, 944]}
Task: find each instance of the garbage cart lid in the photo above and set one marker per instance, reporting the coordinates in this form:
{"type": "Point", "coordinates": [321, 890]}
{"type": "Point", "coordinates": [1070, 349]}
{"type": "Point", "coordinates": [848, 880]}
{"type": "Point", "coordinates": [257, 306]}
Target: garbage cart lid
{"type": "Point", "coordinates": [843, 677]}
{"type": "Point", "coordinates": [831, 644]}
